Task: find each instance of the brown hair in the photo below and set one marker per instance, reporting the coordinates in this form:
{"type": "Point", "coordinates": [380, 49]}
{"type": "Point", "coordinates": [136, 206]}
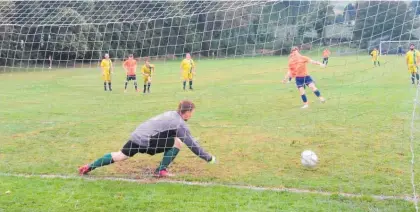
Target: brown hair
{"type": "Point", "coordinates": [185, 106]}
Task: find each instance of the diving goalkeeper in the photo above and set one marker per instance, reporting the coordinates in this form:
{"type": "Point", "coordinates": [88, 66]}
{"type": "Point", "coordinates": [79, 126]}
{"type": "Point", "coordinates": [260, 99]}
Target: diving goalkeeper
{"type": "Point", "coordinates": [165, 134]}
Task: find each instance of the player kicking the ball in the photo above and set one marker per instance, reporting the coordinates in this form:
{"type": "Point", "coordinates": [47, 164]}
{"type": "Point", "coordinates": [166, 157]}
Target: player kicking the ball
{"type": "Point", "coordinates": [163, 133]}
{"type": "Point", "coordinates": [130, 66]}
{"type": "Point", "coordinates": [297, 70]}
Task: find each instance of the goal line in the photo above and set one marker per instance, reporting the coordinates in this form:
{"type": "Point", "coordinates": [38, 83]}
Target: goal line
{"type": "Point", "coordinates": [405, 197]}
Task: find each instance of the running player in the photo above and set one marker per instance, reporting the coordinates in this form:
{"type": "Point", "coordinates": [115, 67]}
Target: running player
{"type": "Point", "coordinates": [297, 70]}
{"type": "Point", "coordinates": [325, 55]}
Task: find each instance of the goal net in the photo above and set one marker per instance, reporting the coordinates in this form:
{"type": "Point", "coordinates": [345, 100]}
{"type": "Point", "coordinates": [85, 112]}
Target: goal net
{"type": "Point", "coordinates": [365, 135]}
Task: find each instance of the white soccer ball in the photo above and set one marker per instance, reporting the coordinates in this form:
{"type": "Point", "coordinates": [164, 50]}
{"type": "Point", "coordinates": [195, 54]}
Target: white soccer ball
{"type": "Point", "coordinates": [309, 158]}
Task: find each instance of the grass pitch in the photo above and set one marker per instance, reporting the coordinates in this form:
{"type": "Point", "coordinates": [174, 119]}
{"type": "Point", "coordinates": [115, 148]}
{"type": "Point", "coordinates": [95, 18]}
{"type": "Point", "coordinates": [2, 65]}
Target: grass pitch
{"type": "Point", "coordinates": [54, 121]}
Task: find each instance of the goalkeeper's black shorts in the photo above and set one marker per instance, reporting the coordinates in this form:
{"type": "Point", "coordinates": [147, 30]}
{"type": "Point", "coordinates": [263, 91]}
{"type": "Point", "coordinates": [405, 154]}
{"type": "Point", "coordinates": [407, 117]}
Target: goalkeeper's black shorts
{"type": "Point", "coordinates": [156, 145]}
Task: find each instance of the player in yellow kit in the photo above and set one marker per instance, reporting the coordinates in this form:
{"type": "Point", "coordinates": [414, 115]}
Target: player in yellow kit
{"type": "Point", "coordinates": [412, 58]}
{"type": "Point", "coordinates": [146, 70]}
{"type": "Point", "coordinates": [106, 66]}
{"type": "Point", "coordinates": [375, 56]}
{"type": "Point", "coordinates": [187, 71]}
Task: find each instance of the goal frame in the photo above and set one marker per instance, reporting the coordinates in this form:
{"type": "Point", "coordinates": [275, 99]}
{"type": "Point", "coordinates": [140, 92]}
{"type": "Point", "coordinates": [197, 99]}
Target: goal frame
{"type": "Point", "coordinates": [401, 41]}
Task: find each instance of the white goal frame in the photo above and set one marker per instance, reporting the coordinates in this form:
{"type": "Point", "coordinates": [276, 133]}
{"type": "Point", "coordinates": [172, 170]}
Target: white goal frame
{"type": "Point", "coordinates": [401, 41]}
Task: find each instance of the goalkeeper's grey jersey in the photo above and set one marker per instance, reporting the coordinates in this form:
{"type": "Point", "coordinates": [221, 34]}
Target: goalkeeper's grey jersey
{"type": "Point", "coordinates": [168, 124]}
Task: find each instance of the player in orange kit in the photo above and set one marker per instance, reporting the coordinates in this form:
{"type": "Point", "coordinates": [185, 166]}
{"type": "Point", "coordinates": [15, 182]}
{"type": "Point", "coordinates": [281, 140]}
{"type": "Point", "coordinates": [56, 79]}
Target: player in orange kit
{"type": "Point", "coordinates": [325, 55]}
{"type": "Point", "coordinates": [297, 70]}
{"type": "Point", "coordinates": [130, 66]}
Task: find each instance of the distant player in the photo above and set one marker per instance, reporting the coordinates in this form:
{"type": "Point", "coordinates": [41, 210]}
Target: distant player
{"type": "Point", "coordinates": [130, 67]}
{"type": "Point", "coordinates": [375, 57]}
{"type": "Point", "coordinates": [325, 55]}
{"type": "Point", "coordinates": [147, 69]}
{"type": "Point", "coordinates": [165, 134]}
{"type": "Point", "coordinates": [106, 66]}
{"type": "Point", "coordinates": [187, 70]}
{"type": "Point", "coordinates": [297, 70]}
{"type": "Point", "coordinates": [412, 59]}
{"type": "Point", "coordinates": [400, 50]}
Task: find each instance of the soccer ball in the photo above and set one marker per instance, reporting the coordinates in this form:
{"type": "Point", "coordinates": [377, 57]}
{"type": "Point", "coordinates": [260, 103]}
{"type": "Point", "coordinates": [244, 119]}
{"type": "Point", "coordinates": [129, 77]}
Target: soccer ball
{"type": "Point", "coordinates": [309, 159]}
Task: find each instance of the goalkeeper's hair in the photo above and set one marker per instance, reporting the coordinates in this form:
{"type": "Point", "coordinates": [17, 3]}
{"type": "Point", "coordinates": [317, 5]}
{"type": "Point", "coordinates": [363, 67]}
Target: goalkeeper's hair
{"type": "Point", "coordinates": [185, 106]}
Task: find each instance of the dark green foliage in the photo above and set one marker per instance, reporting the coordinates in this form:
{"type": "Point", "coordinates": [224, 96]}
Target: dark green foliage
{"type": "Point", "coordinates": [386, 20]}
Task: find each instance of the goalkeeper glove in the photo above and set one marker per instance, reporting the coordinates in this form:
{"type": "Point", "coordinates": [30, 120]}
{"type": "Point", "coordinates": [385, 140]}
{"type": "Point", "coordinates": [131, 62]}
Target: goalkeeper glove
{"type": "Point", "coordinates": [213, 160]}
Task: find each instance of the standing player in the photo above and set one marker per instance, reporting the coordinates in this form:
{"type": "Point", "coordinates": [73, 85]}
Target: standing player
{"type": "Point", "coordinates": [325, 55]}
{"type": "Point", "coordinates": [130, 66]}
{"type": "Point", "coordinates": [147, 69]}
{"type": "Point", "coordinates": [187, 71]}
{"type": "Point", "coordinates": [106, 66]}
{"type": "Point", "coordinates": [375, 57]}
{"type": "Point", "coordinates": [400, 50]}
{"type": "Point", "coordinates": [163, 133]}
{"type": "Point", "coordinates": [297, 69]}
{"type": "Point", "coordinates": [411, 58]}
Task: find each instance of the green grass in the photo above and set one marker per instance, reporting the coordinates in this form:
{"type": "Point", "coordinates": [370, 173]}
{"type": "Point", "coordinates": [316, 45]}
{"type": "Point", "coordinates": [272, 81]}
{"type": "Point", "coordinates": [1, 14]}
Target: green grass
{"type": "Point", "coordinates": [53, 121]}
{"type": "Point", "coordinates": [80, 195]}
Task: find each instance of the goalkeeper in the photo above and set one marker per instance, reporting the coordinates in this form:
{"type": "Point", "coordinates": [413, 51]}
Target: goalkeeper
{"type": "Point", "coordinates": [161, 134]}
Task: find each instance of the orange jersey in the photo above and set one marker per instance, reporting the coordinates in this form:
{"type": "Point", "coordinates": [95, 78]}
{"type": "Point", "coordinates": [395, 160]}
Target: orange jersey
{"type": "Point", "coordinates": [297, 65]}
{"type": "Point", "coordinates": [326, 53]}
{"type": "Point", "coordinates": [130, 65]}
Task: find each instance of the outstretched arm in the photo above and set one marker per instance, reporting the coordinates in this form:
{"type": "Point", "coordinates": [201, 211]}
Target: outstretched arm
{"type": "Point", "coordinates": [315, 62]}
{"type": "Point", "coordinates": [287, 76]}
{"type": "Point", "coordinates": [184, 134]}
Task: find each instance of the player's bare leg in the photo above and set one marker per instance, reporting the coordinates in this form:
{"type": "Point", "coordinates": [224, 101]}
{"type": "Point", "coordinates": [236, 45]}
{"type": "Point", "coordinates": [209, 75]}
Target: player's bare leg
{"type": "Point", "coordinates": [412, 78]}
{"type": "Point", "coordinates": [149, 83]}
{"type": "Point", "coordinates": [135, 86]}
{"type": "Point", "coordinates": [167, 159]}
{"type": "Point", "coordinates": [107, 159]}
{"type": "Point", "coordinates": [125, 86]}
{"type": "Point", "coordinates": [316, 92]}
{"type": "Point", "coordinates": [303, 96]}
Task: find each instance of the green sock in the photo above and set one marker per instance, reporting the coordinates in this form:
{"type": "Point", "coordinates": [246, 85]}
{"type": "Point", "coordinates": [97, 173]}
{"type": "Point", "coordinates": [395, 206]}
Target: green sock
{"type": "Point", "coordinates": [103, 161]}
{"type": "Point", "coordinates": [168, 157]}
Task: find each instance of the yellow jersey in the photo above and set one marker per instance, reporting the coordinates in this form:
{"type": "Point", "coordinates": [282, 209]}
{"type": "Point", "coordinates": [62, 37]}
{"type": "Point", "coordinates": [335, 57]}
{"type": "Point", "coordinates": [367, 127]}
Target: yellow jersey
{"type": "Point", "coordinates": [106, 65]}
{"type": "Point", "coordinates": [375, 53]}
{"type": "Point", "coordinates": [147, 69]}
{"type": "Point", "coordinates": [187, 65]}
{"type": "Point", "coordinates": [412, 57]}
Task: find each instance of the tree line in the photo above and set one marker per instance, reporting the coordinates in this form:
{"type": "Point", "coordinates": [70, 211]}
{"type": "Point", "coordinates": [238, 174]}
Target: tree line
{"type": "Point", "coordinates": [85, 30]}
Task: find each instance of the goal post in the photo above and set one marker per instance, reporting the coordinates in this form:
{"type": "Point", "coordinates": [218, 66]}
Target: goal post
{"type": "Point", "coordinates": [397, 47]}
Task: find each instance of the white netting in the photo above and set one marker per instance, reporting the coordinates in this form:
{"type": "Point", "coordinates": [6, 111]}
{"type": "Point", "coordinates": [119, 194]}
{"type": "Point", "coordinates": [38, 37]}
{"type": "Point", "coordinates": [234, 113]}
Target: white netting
{"type": "Point", "coordinates": [43, 35]}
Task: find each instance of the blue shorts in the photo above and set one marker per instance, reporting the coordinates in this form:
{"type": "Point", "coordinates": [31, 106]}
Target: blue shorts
{"type": "Point", "coordinates": [303, 81]}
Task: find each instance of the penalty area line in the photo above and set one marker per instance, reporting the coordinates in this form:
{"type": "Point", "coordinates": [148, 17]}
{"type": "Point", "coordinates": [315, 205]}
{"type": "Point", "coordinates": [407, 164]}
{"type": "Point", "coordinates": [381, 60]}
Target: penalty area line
{"type": "Point", "coordinates": [210, 184]}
